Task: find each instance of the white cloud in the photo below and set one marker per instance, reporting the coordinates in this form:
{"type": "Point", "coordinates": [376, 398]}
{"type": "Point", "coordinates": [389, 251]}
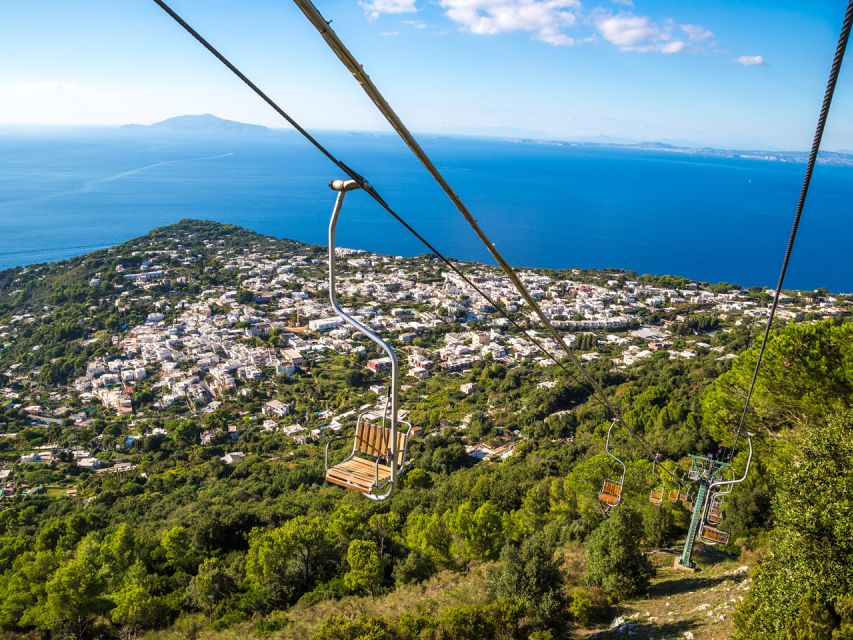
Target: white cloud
{"type": "Point", "coordinates": [639, 33]}
{"type": "Point", "coordinates": [389, 34]}
{"type": "Point", "coordinates": [375, 8]}
{"type": "Point", "coordinates": [750, 61]}
{"type": "Point", "coordinates": [545, 19]}
{"type": "Point", "coordinates": [32, 87]}
{"type": "Point", "coordinates": [416, 24]}
{"type": "Point", "coordinates": [696, 32]}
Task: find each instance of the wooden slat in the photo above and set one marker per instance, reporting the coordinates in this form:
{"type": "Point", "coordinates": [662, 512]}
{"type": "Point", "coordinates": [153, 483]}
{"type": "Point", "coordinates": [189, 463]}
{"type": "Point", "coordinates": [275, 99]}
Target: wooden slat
{"type": "Point", "coordinates": [401, 442]}
{"type": "Point", "coordinates": [358, 473]}
{"type": "Point", "coordinates": [376, 441]}
{"type": "Point", "coordinates": [360, 437]}
{"type": "Point", "coordinates": [612, 488]}
{"type": "Point", "coordinates": [716, 535]}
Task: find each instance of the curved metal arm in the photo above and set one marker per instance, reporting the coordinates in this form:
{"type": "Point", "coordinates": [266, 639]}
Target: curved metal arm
{"type": "Point", "coordinates": [725, 483]}
{"type": "Point", "coordinates": [342, 186]}
{"type": "Point", "coordinates": [607, 450]}
{"type": "Point", "coordinates": [328, 444]}
{"type": "Point", "coordinates": [729, 483]}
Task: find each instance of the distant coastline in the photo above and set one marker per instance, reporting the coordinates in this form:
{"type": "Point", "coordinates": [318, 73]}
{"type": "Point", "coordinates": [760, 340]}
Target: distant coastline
{"type": "Point", "coordinates": [824, 157]}
{"type": "Point", "coordinates": [213, 125]}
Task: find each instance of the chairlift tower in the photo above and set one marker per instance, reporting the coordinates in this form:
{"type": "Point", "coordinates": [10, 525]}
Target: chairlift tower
{"type": "Point", "coordinates": [704, 472]}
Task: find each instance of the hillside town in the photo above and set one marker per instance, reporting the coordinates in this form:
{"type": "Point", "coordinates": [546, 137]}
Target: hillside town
{"type": "Point", "coordinates": [272, 321]}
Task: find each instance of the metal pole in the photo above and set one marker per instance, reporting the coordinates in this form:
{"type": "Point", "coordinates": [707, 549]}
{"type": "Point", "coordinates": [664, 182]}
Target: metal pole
{"type": "Point", "coordinates": [695, 522]}
{"type": "Point", "coordinates": [342, 186]}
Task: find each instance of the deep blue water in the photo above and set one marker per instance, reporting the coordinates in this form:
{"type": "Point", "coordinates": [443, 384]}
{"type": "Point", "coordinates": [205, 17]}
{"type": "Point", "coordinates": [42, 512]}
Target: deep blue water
{"type": "Point", "coordinates": [64, 193]}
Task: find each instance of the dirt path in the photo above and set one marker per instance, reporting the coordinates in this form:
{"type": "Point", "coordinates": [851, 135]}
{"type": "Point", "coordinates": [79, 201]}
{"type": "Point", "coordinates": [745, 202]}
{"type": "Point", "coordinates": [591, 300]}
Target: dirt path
{"type": "Point", "coordinates": [680, 605]}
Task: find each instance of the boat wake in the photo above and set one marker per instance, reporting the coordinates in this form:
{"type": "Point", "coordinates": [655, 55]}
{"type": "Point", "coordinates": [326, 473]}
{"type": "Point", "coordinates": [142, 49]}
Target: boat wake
{"type": "Point", "coordinates": [92, 185]}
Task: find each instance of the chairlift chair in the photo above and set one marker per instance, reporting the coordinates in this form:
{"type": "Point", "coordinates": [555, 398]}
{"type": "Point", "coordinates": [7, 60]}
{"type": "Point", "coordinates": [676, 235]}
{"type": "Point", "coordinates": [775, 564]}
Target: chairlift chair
{"type": "Point", "coordinates": [715, 503]}
{"type": "Point", "coordinates": [368, 467]}
{"type": "Point", "coordinates": [711, 535]}
{"type": "Point", "coordinates": [697, 468]}
{"type": "Point", "coordinates": [611, 490]}
{"type": "Point", "coordinates": [379, 450]}
{"type": "Point", "coordinates": [715, 511]}
{"type": "Point", "coordinates": [657, 494]}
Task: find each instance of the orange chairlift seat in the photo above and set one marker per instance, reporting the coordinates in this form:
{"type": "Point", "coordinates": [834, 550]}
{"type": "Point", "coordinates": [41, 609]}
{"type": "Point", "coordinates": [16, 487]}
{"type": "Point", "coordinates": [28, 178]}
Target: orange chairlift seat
{"type": "Point", "coordinates": [657, 494]}
{"type": "Point", "coordinates": [379, 450]}
{"type": "Point", "coordinates": [711, 535]}
{"type": "Point", "coordinates": [611, 490]}
{"type": "Point", "coordinates": [715, 511]}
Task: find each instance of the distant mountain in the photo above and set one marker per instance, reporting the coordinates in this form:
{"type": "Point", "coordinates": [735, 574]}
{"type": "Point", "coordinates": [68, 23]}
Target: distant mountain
{"type": "Point", "coordinates": [206, 123]}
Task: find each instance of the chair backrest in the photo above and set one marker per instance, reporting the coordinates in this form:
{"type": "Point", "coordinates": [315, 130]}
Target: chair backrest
{"type": "Point", "coordinates": [612, 487]}
{"type": "Point", "coordinates": [375, 440]}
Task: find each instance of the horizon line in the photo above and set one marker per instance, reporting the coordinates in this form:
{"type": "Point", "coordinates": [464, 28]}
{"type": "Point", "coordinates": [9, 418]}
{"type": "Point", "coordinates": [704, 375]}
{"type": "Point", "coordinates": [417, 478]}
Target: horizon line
{"type": "Point", "coordinates": [617, 140]}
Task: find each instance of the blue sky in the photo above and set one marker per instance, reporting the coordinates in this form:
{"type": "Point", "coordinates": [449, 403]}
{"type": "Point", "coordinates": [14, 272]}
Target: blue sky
{"type": "Point", "coordinates": [720, 72]}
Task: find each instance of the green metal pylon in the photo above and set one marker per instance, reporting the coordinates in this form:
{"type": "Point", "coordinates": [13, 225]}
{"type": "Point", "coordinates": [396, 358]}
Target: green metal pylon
{"type": "Point", "coordinates": [695, 522]}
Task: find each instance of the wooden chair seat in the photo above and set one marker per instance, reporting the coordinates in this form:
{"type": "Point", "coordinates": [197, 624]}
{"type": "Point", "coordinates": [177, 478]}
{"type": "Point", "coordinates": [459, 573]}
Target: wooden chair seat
{"type": "Point", "coordinates": [715, 515]}
{"type": "Point", "coordinates": [609, 499]}
{"type": "Point", "coordinates": [656, 496]}
{"type": "Point", "coordinates": [358, 474]}
{"type": "Point", "coordinates": [715, 535]}
{"type": "Point", "coordinates": [673, 496]}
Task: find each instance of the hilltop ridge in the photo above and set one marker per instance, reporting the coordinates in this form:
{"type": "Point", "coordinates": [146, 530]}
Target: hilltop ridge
{"type": "Point", "coordinates": [204, 123]}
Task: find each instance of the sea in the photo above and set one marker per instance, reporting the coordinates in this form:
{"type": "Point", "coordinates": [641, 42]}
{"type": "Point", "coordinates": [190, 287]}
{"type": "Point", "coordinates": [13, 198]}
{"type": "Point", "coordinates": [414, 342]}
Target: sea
{"type": "Point", "coordinates": [65, 192]}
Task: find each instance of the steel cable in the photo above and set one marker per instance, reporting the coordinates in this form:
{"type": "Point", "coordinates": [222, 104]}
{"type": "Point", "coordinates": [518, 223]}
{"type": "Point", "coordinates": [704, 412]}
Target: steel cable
{"type": "Point", "coordinates": [362, 182]}
{"type": "Point", "coordinates": [801, 202]}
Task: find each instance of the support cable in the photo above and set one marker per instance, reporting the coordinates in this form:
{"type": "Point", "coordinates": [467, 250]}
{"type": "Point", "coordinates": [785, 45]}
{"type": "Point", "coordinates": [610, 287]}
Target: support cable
{"type": "Point", "coordinates": [597, 392]}
{"type": "Point", "coordinates": [350, 62]}
{"type": "Point", "coordinates": [818, 136]}
{"type": "Point", "coordinates": [360, 180]}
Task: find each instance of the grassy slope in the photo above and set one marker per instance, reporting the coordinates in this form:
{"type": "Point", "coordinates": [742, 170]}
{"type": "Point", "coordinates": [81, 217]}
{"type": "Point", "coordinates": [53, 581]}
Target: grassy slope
{"type": "Point", "coordinates": [680, 604]}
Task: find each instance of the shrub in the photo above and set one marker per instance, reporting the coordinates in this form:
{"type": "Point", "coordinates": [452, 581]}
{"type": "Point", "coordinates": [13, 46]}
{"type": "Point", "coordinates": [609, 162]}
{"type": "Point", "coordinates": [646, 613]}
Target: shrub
{"type": "Point", "coordinates": [414, 569]}
{"type": "Point", "coordinates": [800, 586]}
{"type": "Point", "coordinates": [589, 606]}
{"type": "Point", "coordinates": [340, 627]}
{"type": "Point", "coordinates": [658, 525]}
{"type": "Point", "coordinates": [615, 562]}
{"type": "Point", "coordinates": [275, 622]}
{"type": "Point", "coordinates": [530, 574]}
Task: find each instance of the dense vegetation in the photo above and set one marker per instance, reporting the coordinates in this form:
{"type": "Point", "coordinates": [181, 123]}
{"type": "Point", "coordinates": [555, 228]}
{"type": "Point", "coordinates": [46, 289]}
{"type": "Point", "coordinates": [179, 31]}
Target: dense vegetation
{"type": "Point", "coordinates": [188, 542]}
